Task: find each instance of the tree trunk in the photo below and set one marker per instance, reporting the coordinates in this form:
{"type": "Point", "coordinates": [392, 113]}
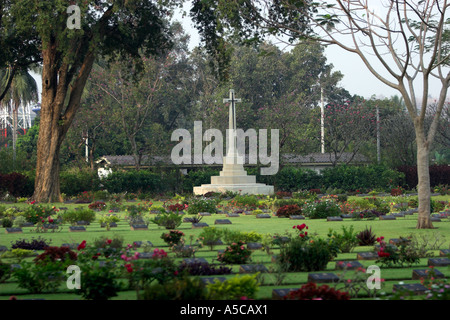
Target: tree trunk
{"type": "Point", "coordinates": [423, 174]}
{"type": "Point", "coordinates": [55, 119]}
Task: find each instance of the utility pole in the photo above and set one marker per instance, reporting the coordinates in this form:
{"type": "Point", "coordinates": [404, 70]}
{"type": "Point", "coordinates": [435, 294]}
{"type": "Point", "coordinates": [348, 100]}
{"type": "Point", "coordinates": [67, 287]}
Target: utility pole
{"type": "Point", "coordinates": [378, 136]}
{"type": "Point", "coordinates": [322, 122]}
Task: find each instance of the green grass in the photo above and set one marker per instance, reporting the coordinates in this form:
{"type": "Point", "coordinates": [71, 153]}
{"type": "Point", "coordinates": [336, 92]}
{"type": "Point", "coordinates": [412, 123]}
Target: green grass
{"type": "Point", "coordinates": [388, 229]}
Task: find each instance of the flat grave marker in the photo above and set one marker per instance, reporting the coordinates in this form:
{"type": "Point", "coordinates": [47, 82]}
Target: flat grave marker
{"type": "Point", "coordinates": [296, 217]}
{"type": "Point", "coordinates": [194, 260]}
{"type": "Point", "coordinates": [398, 215]}
{"type": "Point", "coordinates": [444, 252]}
{"type": "Point", "coordinates": [145, 255]}
{"type": "Point", "coordinates": [77, 229]}
{"type": "Point", "coordinates": [199, 225]}
{"type": "Point", "coordinates": [139, 244]}
{"type": "Point", "coordinates": [204, 214]}
{"type": "Point", "coordinates": [435, 219]}
{"type": "Point", "coordinates": [254, 246]}
{"type": "Point", "coordinates": [111, 225]}
{"type": "Point", "coordinates": [323, 277]}
{"type": "Point", "coordinates": [211, 280]}
{"type": "Point", "coordinates": [423, 273]}
{"type": "Point", "coordinates": [438, 262]}
{"type": "Point", "coordinates": [137, 227]}
{"type": "Point", "coordinates": [335, 219]}
{"type": "Point", "coordinates": [348, 265]}
{"type": "Point", "coordinates": [416, 288]}
{"type": "Point", "coordinates": [3, 248]}
{"type": "Point", "coordinates": [233, 215]}
{"type": "Point", "coordinates": [387, 217]}
{"type": "Point", "coordinates": [263, 216]}
{"type": "Point", "coordinates": [251, 268]}
{"type": "Point", "coordinates": [222, 221]}
{"type": "Point", "coordinates": [367, 256]}
{"type": "Point", "coordinates": [13, 230]}
{"type": "Point", "coordinates": [279, 294]}
{"type": "Point", "coordinates": [346, 216]}
{"type": "Point", "coordinates": [71, 246]}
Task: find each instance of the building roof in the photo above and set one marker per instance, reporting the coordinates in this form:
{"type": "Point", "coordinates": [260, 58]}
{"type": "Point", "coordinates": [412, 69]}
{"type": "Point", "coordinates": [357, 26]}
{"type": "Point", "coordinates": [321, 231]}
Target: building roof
{"type": "Point", "coordinates": [286, 159]}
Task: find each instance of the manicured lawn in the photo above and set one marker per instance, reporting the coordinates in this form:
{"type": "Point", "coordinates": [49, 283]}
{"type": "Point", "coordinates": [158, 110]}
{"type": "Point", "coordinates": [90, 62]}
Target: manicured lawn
{"type": "Point", "coordinates": [401, 227]}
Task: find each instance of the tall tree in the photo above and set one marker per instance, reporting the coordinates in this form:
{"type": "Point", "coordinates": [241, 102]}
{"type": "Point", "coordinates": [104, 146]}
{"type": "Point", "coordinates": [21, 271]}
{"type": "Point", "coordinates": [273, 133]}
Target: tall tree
{"type": "Point", "coordinates": [117, 29]}
{"type": "Point", "coordinates": [407, 40]}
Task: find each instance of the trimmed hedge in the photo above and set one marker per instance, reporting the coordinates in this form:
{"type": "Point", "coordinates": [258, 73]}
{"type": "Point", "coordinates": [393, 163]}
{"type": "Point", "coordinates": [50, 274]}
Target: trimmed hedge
{"type": "Point", "coordinates": [16, 184]}
{"type": "Point", "coordinates": [439, 174]}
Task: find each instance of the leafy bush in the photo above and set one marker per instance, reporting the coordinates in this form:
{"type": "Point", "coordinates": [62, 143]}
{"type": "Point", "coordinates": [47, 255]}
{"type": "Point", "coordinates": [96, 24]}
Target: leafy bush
{"type": "Point", "coordinates": [176, 207]}
{"type": "Point", "coordinates": [345, 241]}
{"type": "Point", "coordinates": [366, 237]}
{"type": "Point", "coordinates": [311, 291]}
{"type": "Point", "coordinates": [97, 205]}
{"type": "Point", "coordinates": [40, 277]}
{"type": "Point", "coordinates": [36, 212]}
{"type": "Point", "coordinates": [33, 244]}
{"type": "Point", "coordinates": [181, 288]}
{"type": "Point", "coordinates": [235, 288]}
{"type": "Point", "coordinates": [133, 182]}
{"type": "Point", "coordinates": [98, 283]}
{"type": "Point", "coordinates": [53, 254]}
{"type": "Point", "coordinates": [75, 181]}
{"type": "Point", "coordinates": [300, 255]}
{"type": "Point", "coordinates": [351, 178]}
{"type": "Point", "coordinates": [202, 205]}
{"type": "Point", "coordinates": [289, 210]}
{"type": "Point", "coordinates": [230, 236]}
{"type": "Point", "coordinates": [82, 214]}
{"type": "Point", "coordinates": [7, 222]}
{"type": "Point", "coordinates": [173, 237]}
{"type": "Point", "coordinates": [169, 220]}
{"type": "Point", "coordinates": [5, 272]}
{"type": "Point", "coordinates": [321, 209]}
{"type": "Point", "coordinates": [249, 202]}
{"type": "Point", "coordinates": [197, 178]}
{"type": "Point", "coordinates": [210, 236]}
{"type": "Point", "coordinates": [236, 253]}
{"type": "Point", "coordinates": [16, 184]}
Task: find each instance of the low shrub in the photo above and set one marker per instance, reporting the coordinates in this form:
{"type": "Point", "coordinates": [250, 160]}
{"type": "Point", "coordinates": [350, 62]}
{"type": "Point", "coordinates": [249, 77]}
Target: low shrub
{"type": "Point", "coordinates": [168, 220]}
{"type": "Point", "coordinates": [203, 269]}
{"type": "Point", "coordinates": [172, 237]}
{"type": "Point", "coordinates": [289, 210]}
{"type": "Point", "coordinates": [346, 241]}
{"type": "Point", "coordinates": [180, 288]}
{"type": "Point", "coordinates": [53, 254]}
{"type": "Point", "coordinates": [98, 283]}
{"type": "Point", "coordinates": [303, 254]}
{"type": "Point", "coordinates": [97, 205]}
{"type": "Point", "coordinates": [311, 291]}
{"type": "Point", "coordinates": [210, 236]}
{"type": "Point", "coordinates": [202, 205]}
{"type": "Point", "coordinates": [236, 253]}
{"type": "Point", "coordinates": [366, 237]}
{"type": "Point", "coordinates": [33, 244]}
{"type": "Point", "coordinates": [321, 209]}
{"type": "Point", "coordinates": [239, 287]}
{"type": "Point", "coordinates": [82, 214]}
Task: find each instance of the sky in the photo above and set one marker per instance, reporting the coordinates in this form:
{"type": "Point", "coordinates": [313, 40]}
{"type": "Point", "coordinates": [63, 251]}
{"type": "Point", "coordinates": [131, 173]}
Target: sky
{"type": "Point", "coordinates": [356, 78]}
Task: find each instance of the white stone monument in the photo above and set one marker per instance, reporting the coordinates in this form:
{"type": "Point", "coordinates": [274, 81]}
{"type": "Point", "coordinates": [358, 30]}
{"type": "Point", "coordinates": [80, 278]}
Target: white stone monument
{"type": "Point", "coordinates": [233, 176]}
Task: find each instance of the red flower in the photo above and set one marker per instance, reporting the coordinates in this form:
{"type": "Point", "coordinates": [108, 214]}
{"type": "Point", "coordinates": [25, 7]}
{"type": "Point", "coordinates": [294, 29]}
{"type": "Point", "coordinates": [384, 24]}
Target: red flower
{"type": "Point", "coordinates": [108, 241]}
{"type": "Point", "coordinates": [82, 245]}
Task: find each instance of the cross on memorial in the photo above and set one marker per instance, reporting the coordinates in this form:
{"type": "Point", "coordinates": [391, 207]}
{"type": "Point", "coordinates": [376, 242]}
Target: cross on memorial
{"type": "Point", "coordinates": [232, 122]}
